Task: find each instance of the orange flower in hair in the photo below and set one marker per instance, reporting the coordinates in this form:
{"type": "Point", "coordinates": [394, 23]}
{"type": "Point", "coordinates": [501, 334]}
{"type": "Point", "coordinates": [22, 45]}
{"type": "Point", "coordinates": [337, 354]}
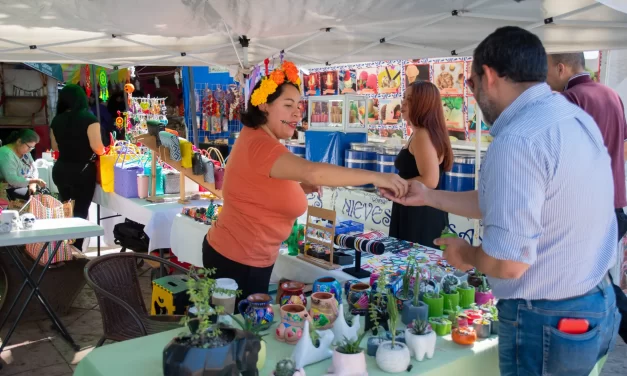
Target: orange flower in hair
{"type": "Point", "coordinates": [277, 76]}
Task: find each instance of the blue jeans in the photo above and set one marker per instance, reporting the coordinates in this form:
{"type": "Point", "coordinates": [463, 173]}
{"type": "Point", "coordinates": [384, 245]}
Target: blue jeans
{"type": "Point", "coordinates": [530, 344]}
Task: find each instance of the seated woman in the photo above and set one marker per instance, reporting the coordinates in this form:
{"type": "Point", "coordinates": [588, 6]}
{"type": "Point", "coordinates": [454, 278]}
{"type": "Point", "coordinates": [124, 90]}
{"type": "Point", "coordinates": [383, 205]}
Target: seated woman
{"type": "Point", "coordinates": [17, 168]}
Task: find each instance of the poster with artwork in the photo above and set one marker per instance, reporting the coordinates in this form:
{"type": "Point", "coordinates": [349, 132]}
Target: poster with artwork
{"type": "Point", "coordinates": [386, 132]}
{"type": "Point", "coordinates": [468, 75]}
{"type": "Point", "coordinates": [449, 77]}
{"type": "Point", "coordinates": [416, 72]}
{"type": "Point", "coordinates": [366, 80]}
{"type": "Point", "coordinates": [390, 111]}
{"type": "Point", "coordinates": [373, 111]}
{"type": "Point", "coordinates": [453, 112]}
{"type": "Point", "coordinates": [472, 115]}
{"type": "Point", "coordinates": [389, 79]}
{"type": "Point", "coordinates": [304, 108]}
{"type": "Point", "coordinates": [328, 80]}
{"type": "Point", "coordinates": [312, 83]}
{"type": "Point", "coordinates": [348, 81]}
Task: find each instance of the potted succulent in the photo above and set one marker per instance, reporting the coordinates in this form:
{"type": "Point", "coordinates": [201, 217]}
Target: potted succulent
{"type": "Point", "coordinates": [313, 347]}
{"type": "Point", "coordinates": [420, 339]}
{"type": "Point", "coordinates": [415, 309]}
{"type": "Point", "coordinates": [482, 327]}
{"type": "Point", "coordinates": [406, 293]}
{"type": "Point", "coordinates": [474, 278]}
{"type": "Point", "coordinates": [287, 367]}
{"type": "Point", "coordinates": [466, 295]}
{"type": "Point", "coordinates": [377, 317]}
{"type": "Point", "coordinates": [449, 292]}
{"type": "Point", "coordinates": [463, 335]}
{"type": "Point", "coordinates": [484, 293]}
{"type": "Point", "coordinates": [441, 325]}
{"type": "Point", "coordinates": [435, 301]}
{"type": "Point", "coordinates": [247, 325]}
{"type": "Point", "coordinates": [392, 356]}
{"type": "Point", "coordinates": [473, 313]}
{"type": "Point", "coordinates": [349, 358]}
{"type": "Point", "coordinates": [493, 316]}
{"type": "Point", "coordinates": [458, 315]}
{"type": "Point", "coordinates": [212, 348]}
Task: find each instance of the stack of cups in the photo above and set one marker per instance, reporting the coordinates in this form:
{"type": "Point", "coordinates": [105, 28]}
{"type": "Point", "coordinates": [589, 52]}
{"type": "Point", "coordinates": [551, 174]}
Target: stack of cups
{"type": "Point", "coordinates": [225, 300]}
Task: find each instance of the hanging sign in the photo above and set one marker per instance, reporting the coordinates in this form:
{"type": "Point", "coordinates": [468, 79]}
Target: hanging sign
{"type": "Point", "coordinates": [52, 70]}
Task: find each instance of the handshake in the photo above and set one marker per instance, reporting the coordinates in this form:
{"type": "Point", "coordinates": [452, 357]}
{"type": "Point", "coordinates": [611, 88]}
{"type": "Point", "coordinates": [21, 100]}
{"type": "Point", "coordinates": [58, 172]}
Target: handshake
{"type": "Point", "coordinates": [399, 190]}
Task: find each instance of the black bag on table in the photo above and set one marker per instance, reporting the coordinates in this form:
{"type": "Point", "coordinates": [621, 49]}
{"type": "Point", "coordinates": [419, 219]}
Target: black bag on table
{"type": "Point", "coordinates": [131, 235]}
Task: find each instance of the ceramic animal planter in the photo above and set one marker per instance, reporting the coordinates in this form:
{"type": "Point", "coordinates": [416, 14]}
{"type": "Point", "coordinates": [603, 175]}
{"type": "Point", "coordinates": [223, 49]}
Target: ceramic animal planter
{"type": "Point", "coordinates": [324, 309]}
{"type": "Point", "coordinates": [257, 309]}
{"type": "Point", "coordinates": [292, 293]}
{"type": "Point", "coordinates": [348, 364]}
{"type": "Point", "coordinates": [420, 345]}
{"type": "Point", "coordinates": [393, 360]}
{"type": "Point", "coordinates": [329, 284]}
{"type": "Point", "coordinates": [293, 317]}
{"type": "Point", "coordinates": [305, 353]}
{"type": "Point", "coordinates": [342, 330]}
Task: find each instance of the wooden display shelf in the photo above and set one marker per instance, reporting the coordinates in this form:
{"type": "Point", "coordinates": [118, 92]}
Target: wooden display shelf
{"type": "Point", "coordinates": [151, 143]}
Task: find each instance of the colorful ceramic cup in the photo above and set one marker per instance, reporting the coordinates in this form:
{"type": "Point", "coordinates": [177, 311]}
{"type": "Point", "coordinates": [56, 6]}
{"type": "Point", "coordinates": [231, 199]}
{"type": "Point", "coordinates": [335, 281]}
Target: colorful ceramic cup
{"type": "Point", "coordinates": [329, 284]}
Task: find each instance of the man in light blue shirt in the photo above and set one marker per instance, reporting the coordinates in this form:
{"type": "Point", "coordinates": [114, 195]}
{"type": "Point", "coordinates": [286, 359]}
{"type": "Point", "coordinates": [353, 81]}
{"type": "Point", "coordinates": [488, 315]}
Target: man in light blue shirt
{"type": "Point", "coordinates": [546, 199]}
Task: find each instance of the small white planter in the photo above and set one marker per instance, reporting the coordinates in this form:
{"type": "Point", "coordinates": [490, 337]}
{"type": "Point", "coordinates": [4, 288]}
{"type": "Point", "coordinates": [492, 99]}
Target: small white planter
{"type": "Point", "coordinates": [393, 360]}
{"type": "Point", "coordinates": [348, 364]}
{"type": "Point", "coordinates": [419, 346]}
{"type": "Point", "coordinates": [341, 329]}
{"type": "Point", "coordinates": [306, 353]}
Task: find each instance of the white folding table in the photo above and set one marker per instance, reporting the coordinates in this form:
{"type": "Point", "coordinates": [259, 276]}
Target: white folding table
{"type": "Point", "coordinates": [43, 231]}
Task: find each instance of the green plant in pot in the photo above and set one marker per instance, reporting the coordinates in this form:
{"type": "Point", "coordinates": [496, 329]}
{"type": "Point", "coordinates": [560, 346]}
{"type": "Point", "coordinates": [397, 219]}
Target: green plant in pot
{"type": "Point", "coordinates": [377, 317]}
{"type": "Point", "coordinates": [449, 292]}
{"type": "Point", "coordinates": [420, 338]}
{"type": "Point", "coordinates": [287, 367]}
{"type": "Point", "coordinates": [212, 347]}
{"type": "Point", "coordinates": [483, 327]}
{"type": "Point", "coordinates": [349, 358]}
{"type": "Point", "coordinates": [494, 318]}
{"type": "Point", "coordinates": [466, 295]}
{"type": "Point", "coordinates": [441, 325]}
{"type": "Point", "coordinates": [248, 326]}
{"type": "Point", "coordinates": [458, 316]}
{"type": "Point", "coordinates": [393, 356]}
{"type": "Point", "coordinates": [435, 301]}
{"type": "Point", "coordinates": [484, 292]}
{"type": "Point", "coordinates": [414, 308]}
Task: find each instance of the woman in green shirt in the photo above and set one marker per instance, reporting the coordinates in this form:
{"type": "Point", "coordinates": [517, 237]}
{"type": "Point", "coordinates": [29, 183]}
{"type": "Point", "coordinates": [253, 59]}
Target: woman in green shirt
{"type": "Point", "coordinates": [18, 173]}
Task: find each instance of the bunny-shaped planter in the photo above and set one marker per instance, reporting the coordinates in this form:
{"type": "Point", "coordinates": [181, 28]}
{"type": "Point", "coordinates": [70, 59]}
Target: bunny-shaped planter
{"type": "Point", "coordinates": [306, 353]}
{"type": "Point", "coordinates": [341, 329]}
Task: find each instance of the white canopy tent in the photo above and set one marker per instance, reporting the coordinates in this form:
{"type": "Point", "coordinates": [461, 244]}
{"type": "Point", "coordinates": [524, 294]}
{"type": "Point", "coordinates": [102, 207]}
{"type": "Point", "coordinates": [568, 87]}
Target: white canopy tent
{"type": "Point", "coordinates": [122, 33]}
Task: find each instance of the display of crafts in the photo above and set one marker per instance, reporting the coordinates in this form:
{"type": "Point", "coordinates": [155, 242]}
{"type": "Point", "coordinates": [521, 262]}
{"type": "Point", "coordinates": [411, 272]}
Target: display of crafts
{"type": "Point", "coordinates": [201, 214]}
{"type": "Point", "coordinates": [220, 106]}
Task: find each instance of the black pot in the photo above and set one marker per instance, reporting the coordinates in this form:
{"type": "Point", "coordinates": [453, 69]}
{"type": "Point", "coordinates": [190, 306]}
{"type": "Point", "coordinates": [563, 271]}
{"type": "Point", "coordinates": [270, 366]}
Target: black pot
{"type": "Point", "coordinates": [238, 357]}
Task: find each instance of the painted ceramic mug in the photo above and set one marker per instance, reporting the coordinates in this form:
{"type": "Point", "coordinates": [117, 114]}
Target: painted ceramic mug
{"type": "Point", "coordinates": [293, 317]}
{"type": "Point", "coordinates": [257, 308]}
{"type": "Point", "coordinates": [358, 298]}
{"type": "Point", "coordinates": [292, 293]}
{"type": "Point", "coordinates": [324, 309]}
{"type": "Point", "coordinates": [329, 284]}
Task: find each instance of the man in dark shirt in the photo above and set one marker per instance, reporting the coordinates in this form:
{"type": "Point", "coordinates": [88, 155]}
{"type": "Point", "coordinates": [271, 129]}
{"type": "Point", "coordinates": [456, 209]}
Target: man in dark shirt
{"type": "Point", "coordinates": [567, 74]}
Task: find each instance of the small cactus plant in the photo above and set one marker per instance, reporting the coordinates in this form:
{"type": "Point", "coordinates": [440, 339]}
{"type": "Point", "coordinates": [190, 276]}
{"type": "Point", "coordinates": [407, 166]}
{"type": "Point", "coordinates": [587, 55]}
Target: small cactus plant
{"type": "Point", "coordinates": [285, 367]}
{"type": "Point", "coordinates": [449, 284]}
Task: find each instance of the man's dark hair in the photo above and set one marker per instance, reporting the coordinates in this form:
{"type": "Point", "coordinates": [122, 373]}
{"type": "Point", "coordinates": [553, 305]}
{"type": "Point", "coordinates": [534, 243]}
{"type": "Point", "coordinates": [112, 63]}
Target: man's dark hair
{"type": "Point", "coordinates": [573, 60]}
{"type": "Point", "coordinates": [514, 53]}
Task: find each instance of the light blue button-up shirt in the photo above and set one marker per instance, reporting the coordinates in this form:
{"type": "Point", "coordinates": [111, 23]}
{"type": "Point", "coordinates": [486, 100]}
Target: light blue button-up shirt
{"type": "Point", "coordinates": [547, 198]}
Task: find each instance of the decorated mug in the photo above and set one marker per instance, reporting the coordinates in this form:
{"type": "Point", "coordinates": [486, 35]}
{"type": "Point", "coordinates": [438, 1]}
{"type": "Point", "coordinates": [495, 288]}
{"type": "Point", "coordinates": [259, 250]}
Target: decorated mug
{"type": "Point", "coordinates": [257, 309]}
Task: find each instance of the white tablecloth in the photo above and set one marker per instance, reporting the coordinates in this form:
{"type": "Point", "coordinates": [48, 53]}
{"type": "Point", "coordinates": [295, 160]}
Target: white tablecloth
{"type": "Point", "coordinates": [157, 217]}
{"type": "Point", "coordinates": [186, 237]}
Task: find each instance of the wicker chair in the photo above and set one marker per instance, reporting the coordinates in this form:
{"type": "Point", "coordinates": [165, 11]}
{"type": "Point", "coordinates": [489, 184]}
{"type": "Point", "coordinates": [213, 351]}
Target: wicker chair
{"type": "Point", "coordinates": [115, 282]}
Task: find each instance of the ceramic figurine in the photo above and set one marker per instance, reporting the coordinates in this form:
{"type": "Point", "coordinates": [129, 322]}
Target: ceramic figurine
{"type": "Point", "coordinates": [305, 353]}
{"type": "Point", "coordinates": [342, 330]}
{"type": "Point", "coordinates": [293, 317]}
{"type": "Point", "coordinates": [324, 309]}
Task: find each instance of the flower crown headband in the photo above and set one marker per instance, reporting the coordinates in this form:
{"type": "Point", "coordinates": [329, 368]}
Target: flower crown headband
{"type": "Point", "coordinates": [272, 81]}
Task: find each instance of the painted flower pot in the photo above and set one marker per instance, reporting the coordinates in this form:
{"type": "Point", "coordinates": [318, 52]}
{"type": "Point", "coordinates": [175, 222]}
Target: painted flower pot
{"type": "Point", "coordinates": [293, 317]}
{"type": "Point", "coordinates": [482, 328]}
{"type": "Point", "coordinates": [466, 297]}
{"type": "Point", "coordinates": [328, 284]}
{"type": "Point", "coordinates": [324, 309]}
{"type": "Point", "coordinates": [473, 315]}
{"type": "Point", "coordinates": [393, 360]}
{"type": "Point", "coordinates": [358, 299]}
{"type": "Point", "coordinates": [373, 345]}
{"type": "Point", "coordinates": [441, 326]}
{"type": "Point", "coordinates": [483, 297]}
{"type": "Point", "coordinates": [436, 305]}
{"type": "Point", "coordinates": [348, 364]}
{"type": "Point", "coordinates": [420, 345]}
{"type": "Point", "coordinates": [411, 312]}
{"type": "Point", "coordinates": [257, 309]}
{"type": "Point", "coordinates": [451, 301]}
{"type": "Point", "coordinates": [292, 293]}
{"type": "Point", "coordinates": [462, 321]}
{"type": "Point", "coordinates": [348, 284]}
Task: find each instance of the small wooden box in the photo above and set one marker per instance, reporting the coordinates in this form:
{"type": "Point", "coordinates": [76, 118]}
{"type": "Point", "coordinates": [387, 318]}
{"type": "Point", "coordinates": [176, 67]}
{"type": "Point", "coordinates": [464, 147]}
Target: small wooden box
{"type": "Point", "coordinates": [169, 295]}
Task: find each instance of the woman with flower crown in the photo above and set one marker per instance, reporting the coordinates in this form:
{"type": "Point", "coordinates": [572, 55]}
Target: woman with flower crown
{"type": "Point", "coordinates": [265, 185]}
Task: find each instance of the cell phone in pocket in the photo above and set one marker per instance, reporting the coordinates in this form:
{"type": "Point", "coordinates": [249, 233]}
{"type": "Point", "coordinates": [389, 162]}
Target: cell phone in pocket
{"type": "Point", "coordinates": [573, 326]}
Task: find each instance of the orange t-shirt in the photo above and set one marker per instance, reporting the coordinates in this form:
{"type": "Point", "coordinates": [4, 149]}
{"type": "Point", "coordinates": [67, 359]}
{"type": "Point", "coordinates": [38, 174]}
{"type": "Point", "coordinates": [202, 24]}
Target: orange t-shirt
{"type": "Point", "coordinates": [259, 211]}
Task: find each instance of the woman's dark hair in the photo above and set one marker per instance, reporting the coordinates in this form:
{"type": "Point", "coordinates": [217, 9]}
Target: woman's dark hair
{"type": "Point", "coordinates": [425, 111]}
{"type": "Point", "coordinates": [254, 117]}
{"type": "Point", "coordinates": [514, 53]}
{"type": "Point", "coordinates": [114, 105]}
{"type": "Point", "coordinates": [24, 135]}
{"type": "Point", "coordinates": [71, 98]}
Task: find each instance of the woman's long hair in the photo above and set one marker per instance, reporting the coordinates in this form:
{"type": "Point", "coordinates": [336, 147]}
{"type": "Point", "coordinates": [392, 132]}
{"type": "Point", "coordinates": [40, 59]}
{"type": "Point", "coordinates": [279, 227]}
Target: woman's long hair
{"type": "Point", "coordinates": [425, 111]}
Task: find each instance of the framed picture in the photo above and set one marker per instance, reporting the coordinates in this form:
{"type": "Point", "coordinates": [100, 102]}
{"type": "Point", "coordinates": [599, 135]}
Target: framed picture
{"type": "Point", "coordinates": [417, 72]}
{"type": "Point", "coordinates": [453, 112]}
{"type": "Point", "coordinates": [348, 81]}
{"type": "Point", "coordinates": [329, 82]}
{"type": "Point", "coordinates": [367, 81]}
{"type": "Point", "coordinates": [449, 77]}
{"type": "Point", "coordinates": [312, 83]}
{"type": "Point", "coordinates": [389, 79]}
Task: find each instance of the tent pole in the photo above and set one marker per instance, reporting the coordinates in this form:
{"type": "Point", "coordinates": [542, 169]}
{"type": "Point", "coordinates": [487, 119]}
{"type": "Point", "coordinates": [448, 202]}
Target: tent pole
{"type": "Point", "coordinates": [228, 32]}
{"type": "Point", "coordinates": [192, 104]}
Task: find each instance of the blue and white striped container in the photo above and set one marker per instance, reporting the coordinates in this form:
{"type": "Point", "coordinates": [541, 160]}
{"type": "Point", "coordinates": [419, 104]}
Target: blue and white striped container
{"type": "Point", "coordinates": [363, 156]}
{"type": "Point", "coordinates": [461, 178]}
{"type": "Point", "coordinates": [386, 157]}
{"type": "Point", "coordinates": [296, 148]}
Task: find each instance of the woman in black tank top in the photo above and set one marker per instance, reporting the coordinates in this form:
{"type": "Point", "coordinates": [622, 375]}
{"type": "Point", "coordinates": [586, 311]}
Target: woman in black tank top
{"type": "Point", "coordinates": [428, 150]}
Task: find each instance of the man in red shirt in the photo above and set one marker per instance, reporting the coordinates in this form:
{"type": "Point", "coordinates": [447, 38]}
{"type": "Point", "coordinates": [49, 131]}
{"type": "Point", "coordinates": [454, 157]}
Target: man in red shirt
{"type": "Point", "coordinates": [567, 74]}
